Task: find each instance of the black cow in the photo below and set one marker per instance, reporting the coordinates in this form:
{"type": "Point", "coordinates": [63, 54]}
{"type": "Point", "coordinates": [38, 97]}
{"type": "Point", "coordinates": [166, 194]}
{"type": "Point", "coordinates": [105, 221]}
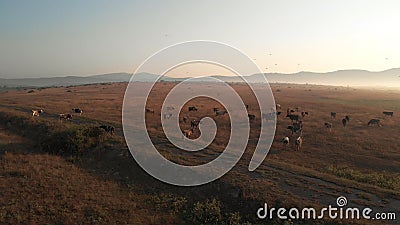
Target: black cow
{"type": "Point", "coordinates": [386, 113]}
{"type": "Point", "coordinates": [344, 122]}
{"type": "Point", "coordinates": [251, 117]}
{"type": "Point", "coordinates": [293, 117]}
{"type": "Point", "coordinates": [194, 124]}
{"type": "Point", "coordinates": [77, 110]}
{"type": "Point", "coordinates": [192, 108]}
{"type": "Point", "coordinates": [108, 129]}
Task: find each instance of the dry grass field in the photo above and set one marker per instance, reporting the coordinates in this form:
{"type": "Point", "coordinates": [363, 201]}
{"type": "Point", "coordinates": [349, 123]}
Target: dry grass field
{"type": "Point", "coordinates": [99, 182]}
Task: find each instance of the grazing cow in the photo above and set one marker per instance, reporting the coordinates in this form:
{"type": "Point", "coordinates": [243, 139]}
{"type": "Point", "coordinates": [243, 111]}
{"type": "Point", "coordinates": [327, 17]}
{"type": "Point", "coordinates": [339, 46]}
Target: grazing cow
{"type": "Point", "coordinates": [288, 111]}
{"type": "Point", "coordinates": [344, 122]}
{"type": "Point", "coordinates": [65, 117]}
{"type": "Point", "coordinates": [77, 111]}
{"type": "Point", "coordinates": [247, 106]}
{"type": "Point", "coordinates": [386, 113]}
{"type": "Point", "coordinates": [299, 142]}
{"type": "Point", "coordinates": [374, 122]}
{"type": "Point", "coordinates": [188, 133]}
{"type": "Point", "coordinates": [185, 119]}
{"type": "Point", "coordinates": [148, 110]}
{"type": "Point", "coordinates": [215, 109]}
{"type": "Point", "coordinates": [220, 113]}
{"type": "Point", "coordinates": [298, 125]}
{"type": "Point", "coordinates": [268, 116]}
{"type": "Point", "coordinates": [285, 142]}
{"type": "Point", "coordinates": [278, 106]}
{"type": "Point", "coordinates": [333, 114]}
{"type": "Point", "coordinates": [194, 124]}
{"type": "Point", "coordinates": [293, 117]}
{"type": "Point", "coordinates": [328, 126]}
{"type": "Point", "coordinates": [108, 129]}
{"type": "Point", "coordinates": [251, 117]}
{"type": "Point", "coordinates": [347, 118]}
{"type": "Point", "coordinates": [296, 128]}
{"type": "Point", "coordinates": [303, 114]}
{"type": "Point", "coordinates": [192, 108]}
{"type": "Point", "coordinates": [278, 113]}
{"type": "Point", "coordinates": [37, 112]}
{"type": "Point", "coordinates": [297, 109]}
{"type": "Point", "coordinates": [167, 115]}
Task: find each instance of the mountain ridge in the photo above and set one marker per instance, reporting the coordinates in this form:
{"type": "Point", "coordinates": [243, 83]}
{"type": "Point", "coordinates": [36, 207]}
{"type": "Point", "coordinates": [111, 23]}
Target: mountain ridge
{"type": "Point", "coordinates": [353, 77]}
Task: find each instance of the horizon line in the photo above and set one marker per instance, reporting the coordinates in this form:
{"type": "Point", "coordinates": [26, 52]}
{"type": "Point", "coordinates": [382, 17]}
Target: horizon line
{"type": "Point", "coordinates": [110, 73]}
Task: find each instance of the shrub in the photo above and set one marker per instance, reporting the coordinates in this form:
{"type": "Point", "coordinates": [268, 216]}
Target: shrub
{"type": "Point", "coordinates": [208, 212]}
{"type": "Point", "coordinates": [73, 141]}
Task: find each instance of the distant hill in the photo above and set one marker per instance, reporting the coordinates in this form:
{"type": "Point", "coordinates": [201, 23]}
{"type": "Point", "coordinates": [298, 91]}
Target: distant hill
{"type": "Point", "coordinates": [65, 81]}
{"type": "Point", "coordinates": [387, 78]}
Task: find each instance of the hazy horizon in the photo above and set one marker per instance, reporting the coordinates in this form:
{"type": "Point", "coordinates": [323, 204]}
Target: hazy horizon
{"type": "Point", "coordinates": [172, 74]}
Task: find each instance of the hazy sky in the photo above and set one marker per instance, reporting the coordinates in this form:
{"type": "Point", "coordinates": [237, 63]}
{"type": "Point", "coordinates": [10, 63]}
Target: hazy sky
{"type": "Point", "coordinates": [55, 38]}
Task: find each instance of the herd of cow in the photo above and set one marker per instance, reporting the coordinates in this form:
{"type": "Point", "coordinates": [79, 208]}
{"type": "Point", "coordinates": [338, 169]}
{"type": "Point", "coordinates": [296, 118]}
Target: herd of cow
{"type": "Point", "coordinates": [68, 116]}
{"type": "Point", "coordinates": [294, 114]}
{"type": "Point", "coordinates": [297, 126]}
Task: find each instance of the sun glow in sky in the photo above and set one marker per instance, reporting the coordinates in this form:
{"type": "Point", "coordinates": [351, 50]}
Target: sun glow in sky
{"type": "Point", "coordinates": [58, 38]}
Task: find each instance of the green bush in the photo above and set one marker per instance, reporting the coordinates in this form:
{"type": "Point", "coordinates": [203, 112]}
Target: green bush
{"type": "Point", "coordinates": [73, 141]}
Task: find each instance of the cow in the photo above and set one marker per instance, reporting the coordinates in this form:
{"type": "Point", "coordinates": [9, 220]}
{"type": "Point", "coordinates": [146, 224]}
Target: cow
{"type": "Point", "coordinates": [328, 126]}
{"type": "Point", "coordinates": [188, 133]}
{"type": "Point", "coordinates": [215, 109]}
{"type": "Point", "coordinates": [251, 117]}
{"type": "Point", "coordinates": [220, 113]}
{"type": "Point", "coordinates": [333, 114]}
{"type": "Point", "coordinates": [278, 106]}
{"type": "Point", "coordinates": [247, 106]}
{"type": "Point", "coordinates": [285, 142]}
{"type": "Point", "coordinates": [293, 117]}
{"type": "Point", "coordinates": [64, 117]}
{"type": "Point", "coordinates": [374, 122]}
{"type": "Point", "coordinates": [192, 108]}
{"type": "Point", "coordinates": [268, 116]}
{"type": "Point", "coordinates": [278, 113]}
{"type": "Point", "coordinates": [185, 119]}
{"type": "Point", "coordinates": [108, 129]}
{"type": "Point", "coordinates": [167, 115]}
{"type": "Point", "coordinates": [386, 113]}
{"type": "Point", "coordinates": [288, 111]}
{"type": "Point", "coordinates": [77, 111]}
{"type": "Point", "coordinates": [303, 114]}
{"type": "Point", "coordinates": [296, 128]}
{"type": "Point", "coordinates": [37, 112]}
{"type": "Point", "coordinates": [148, 110]}
{"type": "Point", "coordinates": [194, 124]}
{"type": "Point", "coordinates": [299, 142]}
{"type": "Point", "coordinates": [344, 122]}
{"type": "Point", "coordinates": [347, 118]}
